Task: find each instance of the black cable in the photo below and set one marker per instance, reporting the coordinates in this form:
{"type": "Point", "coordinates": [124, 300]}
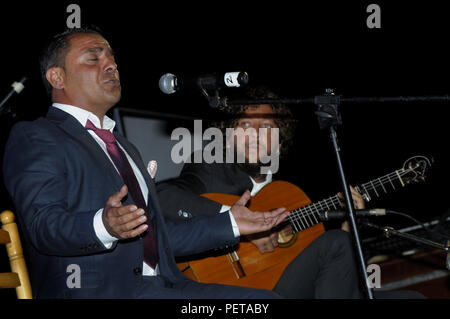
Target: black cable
{"type": "Point", "coordinates": [410, 217]}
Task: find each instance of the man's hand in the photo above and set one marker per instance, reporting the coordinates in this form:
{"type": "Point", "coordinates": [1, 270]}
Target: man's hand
{"type": "Point", "coordinates": [358, 203]}
{"type": "Point", "coordinates": [122, 221]}
{"type": "Point", "coordinates": [255, 222]}
{"type": "Point", "coordinates": [266, 244]}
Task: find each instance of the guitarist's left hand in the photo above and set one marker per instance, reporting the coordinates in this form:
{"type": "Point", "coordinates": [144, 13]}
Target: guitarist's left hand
{"type": "Point", "coordinates": [358, 203]}
{"type": "Point", "coordinates": [250, 222]}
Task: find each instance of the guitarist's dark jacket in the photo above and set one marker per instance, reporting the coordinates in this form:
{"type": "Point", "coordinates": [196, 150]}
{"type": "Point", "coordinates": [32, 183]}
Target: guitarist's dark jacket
{"type": "Point", "coordinates": [180, 198]}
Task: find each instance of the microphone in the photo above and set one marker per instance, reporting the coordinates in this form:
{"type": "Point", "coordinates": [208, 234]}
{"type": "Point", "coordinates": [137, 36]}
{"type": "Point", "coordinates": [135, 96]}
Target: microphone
{"type": "Point", "coordinates": [170, 83]}
{"type": "Point", "coordinates": [340, 214]}
{"type": "Point", "coordinates": [17, 88]}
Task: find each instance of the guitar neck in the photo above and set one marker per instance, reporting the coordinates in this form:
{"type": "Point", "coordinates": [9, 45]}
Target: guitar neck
{"type": "Point", "coordinates": [383, 185]}
{"type": "Point", "coordinates": [308, 216]}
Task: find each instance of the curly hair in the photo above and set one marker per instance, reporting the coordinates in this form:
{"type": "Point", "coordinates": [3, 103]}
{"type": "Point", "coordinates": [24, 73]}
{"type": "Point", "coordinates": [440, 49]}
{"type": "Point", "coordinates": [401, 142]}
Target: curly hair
{"type": "Point", "coordinates": [283, 116]}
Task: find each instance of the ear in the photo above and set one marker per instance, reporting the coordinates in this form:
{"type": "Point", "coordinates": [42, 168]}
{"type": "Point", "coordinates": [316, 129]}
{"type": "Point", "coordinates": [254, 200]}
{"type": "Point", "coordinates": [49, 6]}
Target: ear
{"type": "Point", "coordinates": [56, 77]}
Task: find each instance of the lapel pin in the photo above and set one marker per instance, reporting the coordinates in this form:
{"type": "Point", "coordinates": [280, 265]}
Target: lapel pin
{"type": "Point", "coordinates": [151, 168]}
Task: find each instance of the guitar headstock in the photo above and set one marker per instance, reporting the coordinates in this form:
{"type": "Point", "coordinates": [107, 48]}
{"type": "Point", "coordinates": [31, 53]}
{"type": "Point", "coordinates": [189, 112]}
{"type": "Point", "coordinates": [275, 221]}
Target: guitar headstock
{"type": "Point", "coordinates": [415, 169]}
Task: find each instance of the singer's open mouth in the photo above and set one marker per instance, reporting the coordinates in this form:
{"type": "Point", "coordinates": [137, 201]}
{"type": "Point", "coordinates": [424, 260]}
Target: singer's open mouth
{"type": "Point", "coordinates": [113, 82]}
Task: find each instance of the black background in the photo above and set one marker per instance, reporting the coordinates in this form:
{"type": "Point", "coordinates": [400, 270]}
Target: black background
{"type": "Point", "coordinates": [298, 50]}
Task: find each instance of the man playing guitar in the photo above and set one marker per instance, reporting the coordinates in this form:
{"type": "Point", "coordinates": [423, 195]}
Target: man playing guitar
{"type": "Point", "coordinates": [324, 266]}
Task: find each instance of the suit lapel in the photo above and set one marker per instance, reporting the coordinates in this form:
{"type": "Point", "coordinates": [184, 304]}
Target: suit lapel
{"type": "Point", "coordinates": [72, 127]}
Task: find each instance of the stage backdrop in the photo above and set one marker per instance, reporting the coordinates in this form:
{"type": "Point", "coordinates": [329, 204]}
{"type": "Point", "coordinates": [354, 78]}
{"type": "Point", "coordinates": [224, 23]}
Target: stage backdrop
{"type": "Point", "coordinates": [151, 134]}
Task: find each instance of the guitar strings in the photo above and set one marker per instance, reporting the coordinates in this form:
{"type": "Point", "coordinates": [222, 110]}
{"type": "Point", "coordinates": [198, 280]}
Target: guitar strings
{"type": "Point", "coordinates": [301, 215]}
{"type": "Point", "coordinates": [333, 201]}
{"type": "Point", "coordinates": [303, 211]}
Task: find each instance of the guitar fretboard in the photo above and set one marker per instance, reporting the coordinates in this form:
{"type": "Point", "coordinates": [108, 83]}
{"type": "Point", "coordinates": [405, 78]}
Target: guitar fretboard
{"type": "Point", "coordinates": [308, 216]}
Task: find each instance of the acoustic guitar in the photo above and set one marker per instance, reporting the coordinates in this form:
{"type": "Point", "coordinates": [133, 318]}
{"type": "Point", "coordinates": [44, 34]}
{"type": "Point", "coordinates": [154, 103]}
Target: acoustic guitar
{"type": "Point", "coordinates": [244, 265]}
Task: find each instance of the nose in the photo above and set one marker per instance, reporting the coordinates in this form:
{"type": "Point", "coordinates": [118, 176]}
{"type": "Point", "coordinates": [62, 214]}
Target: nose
{"type": "Point", "coordinates": [110, 64]}
{"type": "Point", "coordinates": [111, 67]}
{"type": "Point", "coordinates": [252, 130]}
{"type": "Point", "coordinates": [252, 135]}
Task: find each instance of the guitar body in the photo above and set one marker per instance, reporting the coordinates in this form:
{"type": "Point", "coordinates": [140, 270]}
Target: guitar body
{"type": "Point", "coordinates": [246, 266]}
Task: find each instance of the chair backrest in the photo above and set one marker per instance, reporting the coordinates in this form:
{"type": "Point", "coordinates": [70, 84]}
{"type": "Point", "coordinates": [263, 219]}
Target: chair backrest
{"type": "Point", "coordinates": [18, 278]}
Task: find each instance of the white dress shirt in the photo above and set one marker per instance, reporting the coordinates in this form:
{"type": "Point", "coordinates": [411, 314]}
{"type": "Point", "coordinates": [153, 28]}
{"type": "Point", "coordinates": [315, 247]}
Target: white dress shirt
{"type": "Point", "coordinates": [258, 186]}
{"type": "Point", "coordinates": [255, 190]}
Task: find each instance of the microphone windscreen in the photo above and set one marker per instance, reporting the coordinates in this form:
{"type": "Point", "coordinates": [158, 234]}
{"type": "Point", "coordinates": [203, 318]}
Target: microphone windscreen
{"type": "Point", "coordinates": [167, 83]}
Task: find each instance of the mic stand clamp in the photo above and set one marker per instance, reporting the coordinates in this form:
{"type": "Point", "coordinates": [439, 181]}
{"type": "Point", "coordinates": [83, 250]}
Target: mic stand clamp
{"type": "Point", "coordinates": [215, 101]}
{"type": "Point", "coordinates": [328, 109]}
{"type": "Point", "coordinates": [329, 117]}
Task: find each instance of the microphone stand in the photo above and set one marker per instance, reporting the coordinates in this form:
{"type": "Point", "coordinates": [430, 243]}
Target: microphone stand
{"type": "Point", "coordinates": [217, 102]}
{"type": "Point", "coordinates": [329, 117]}
{"type": "Point", "coordinates": [388, 231]}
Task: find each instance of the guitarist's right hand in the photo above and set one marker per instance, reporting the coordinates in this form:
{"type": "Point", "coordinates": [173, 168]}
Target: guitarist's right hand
{"type": "Point", "coordinates": [255, 222]}
{"type": "Point", "coordinates": [266, 244]}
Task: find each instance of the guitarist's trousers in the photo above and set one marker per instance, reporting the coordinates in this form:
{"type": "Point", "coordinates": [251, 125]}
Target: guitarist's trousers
{"type": "Point", "coordinates": [325, 269]}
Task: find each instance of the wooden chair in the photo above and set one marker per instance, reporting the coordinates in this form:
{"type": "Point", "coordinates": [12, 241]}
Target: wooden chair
{"type": "Point", "coordinates": [18, 278]}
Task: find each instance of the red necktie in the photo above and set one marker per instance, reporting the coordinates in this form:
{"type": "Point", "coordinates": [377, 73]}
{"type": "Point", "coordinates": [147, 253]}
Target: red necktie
{"type": "Point", "coordinates": [126, 172]}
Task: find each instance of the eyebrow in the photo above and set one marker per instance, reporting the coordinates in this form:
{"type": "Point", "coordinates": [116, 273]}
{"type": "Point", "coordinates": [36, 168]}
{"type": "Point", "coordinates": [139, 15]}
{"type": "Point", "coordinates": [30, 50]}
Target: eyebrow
{"type": "Point", "coordinates": [98, 49]}
{"type": "Point", "coordinates": [259, 116]}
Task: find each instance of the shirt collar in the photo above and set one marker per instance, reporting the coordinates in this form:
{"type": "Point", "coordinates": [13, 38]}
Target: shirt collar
{"type": "Point", "coordinates": [258, 186]}
{"type": "Point", "coordinates": [83, 115]}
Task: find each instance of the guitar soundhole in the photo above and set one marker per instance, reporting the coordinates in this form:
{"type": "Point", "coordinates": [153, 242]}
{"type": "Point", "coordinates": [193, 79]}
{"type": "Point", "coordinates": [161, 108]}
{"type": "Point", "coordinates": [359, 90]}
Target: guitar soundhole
{"type": "Point", "coordinates": [286, 237]}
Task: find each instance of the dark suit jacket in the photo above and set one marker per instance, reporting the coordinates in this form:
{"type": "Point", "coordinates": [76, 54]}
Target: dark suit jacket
{"type": "Point", "coordinates": [59, 177]}
{"type": "Point", "coordinates": [179, 196]}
